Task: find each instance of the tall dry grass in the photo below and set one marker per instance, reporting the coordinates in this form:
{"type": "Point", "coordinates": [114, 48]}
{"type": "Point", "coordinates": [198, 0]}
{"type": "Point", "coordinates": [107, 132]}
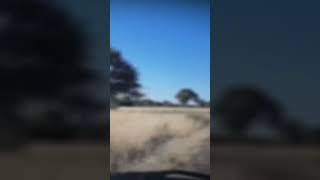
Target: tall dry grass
{"type": "Point", "coordinates": [144, 139]}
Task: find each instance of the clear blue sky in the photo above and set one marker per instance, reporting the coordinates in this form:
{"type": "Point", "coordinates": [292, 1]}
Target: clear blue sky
{"type": "Point", "coordinates": [167, 41]}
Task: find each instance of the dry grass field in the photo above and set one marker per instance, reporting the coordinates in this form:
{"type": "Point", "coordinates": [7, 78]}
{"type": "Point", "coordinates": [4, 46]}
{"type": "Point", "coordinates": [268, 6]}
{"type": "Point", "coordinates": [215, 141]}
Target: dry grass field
{"type": "Point", "coordinates": [145, 139]}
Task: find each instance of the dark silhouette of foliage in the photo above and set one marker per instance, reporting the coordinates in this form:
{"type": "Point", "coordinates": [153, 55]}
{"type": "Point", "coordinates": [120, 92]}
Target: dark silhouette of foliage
{"type": "Point", "coordinates": [41, 56]}
{"type": "Point", "coordinates": [185, 95]}
{"type": "Point", "coordinates": [238, 107]}
{"type": "Point", "coordinates": [135, 95]}
{"type": "Point", "coordinates": [123, 76]}
{"type": "Point", "coordinates": [295, 131]}
{"type": "Point", "coordinates": [202, 103]}
{"type": "Point", "coordinates": [315, 135]}
{"type": "Point", "coordinates": [41, 49]}
{"type": "Point", "coordinates": [167, 103]}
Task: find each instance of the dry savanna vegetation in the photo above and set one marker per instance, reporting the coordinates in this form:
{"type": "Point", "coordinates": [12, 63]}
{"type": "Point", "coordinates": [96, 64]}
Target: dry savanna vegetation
{"type": "Point", "coordinates": [143, 139]}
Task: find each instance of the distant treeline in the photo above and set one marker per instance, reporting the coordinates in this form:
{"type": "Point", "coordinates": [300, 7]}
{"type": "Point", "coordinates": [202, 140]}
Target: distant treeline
{"type": "Point", "coordinates": [149, 102]}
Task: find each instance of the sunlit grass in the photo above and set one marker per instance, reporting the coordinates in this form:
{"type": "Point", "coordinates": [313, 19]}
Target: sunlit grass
{"type": "Point", "coordinates": [160, 138]}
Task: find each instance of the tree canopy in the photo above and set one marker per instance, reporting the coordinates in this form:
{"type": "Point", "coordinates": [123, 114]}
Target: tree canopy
{"type": "Point", "coordinates": [41, 50]}
{"type": "Point", "coordinates": [185, 95]}
{"type": "Point", "coordinates": [237, 108]}
{"type": "Point", "coordinates": [42, 57]}
{"type": "Point", "coordinates": [123, 76]}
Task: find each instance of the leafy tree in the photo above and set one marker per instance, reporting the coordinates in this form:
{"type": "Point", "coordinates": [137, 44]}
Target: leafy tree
{"type": "Point", "coordinates": [239, 106]}
{"type": "Point", "coordinates": [41, 55]}
{"type": "Point", "coordinates": [135, 95]}
{"type": "Point", "coordinates": [123, 77]}
{"type": "Point", "coordinates": [185, 95]}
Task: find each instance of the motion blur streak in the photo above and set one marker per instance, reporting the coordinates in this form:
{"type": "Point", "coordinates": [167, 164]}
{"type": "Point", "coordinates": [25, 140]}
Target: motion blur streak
{"type": "Point", "coordinates": [51, 118]}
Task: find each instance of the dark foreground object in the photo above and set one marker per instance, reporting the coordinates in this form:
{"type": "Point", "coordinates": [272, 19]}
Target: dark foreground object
{"type": "Point", "coordinates": [161, 175]}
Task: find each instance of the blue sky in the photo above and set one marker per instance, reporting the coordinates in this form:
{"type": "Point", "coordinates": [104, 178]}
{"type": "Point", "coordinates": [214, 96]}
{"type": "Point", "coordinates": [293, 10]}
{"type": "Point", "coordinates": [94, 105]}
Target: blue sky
{"type": "Point", "coordinates": [167, 41]}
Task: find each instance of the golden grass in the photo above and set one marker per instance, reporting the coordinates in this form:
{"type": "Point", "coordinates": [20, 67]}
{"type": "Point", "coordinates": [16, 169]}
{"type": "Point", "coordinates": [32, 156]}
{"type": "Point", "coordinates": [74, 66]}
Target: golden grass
{"type": "Point", "coordinates": [160, 138]}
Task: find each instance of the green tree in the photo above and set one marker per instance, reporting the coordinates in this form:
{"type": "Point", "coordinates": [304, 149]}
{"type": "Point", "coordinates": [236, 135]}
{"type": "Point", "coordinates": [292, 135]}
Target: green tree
{"type": "Point", "coordinates": [185, 95]}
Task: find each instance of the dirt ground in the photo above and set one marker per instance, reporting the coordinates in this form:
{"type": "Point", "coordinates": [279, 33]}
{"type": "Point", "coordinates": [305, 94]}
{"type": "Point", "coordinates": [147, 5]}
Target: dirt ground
{"type": "Point", "coordinates": [56, 162]}
{"type": "Point", "coordinates": [228, 162]}
{"type": "Point", "coordinates": [236, 162]}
